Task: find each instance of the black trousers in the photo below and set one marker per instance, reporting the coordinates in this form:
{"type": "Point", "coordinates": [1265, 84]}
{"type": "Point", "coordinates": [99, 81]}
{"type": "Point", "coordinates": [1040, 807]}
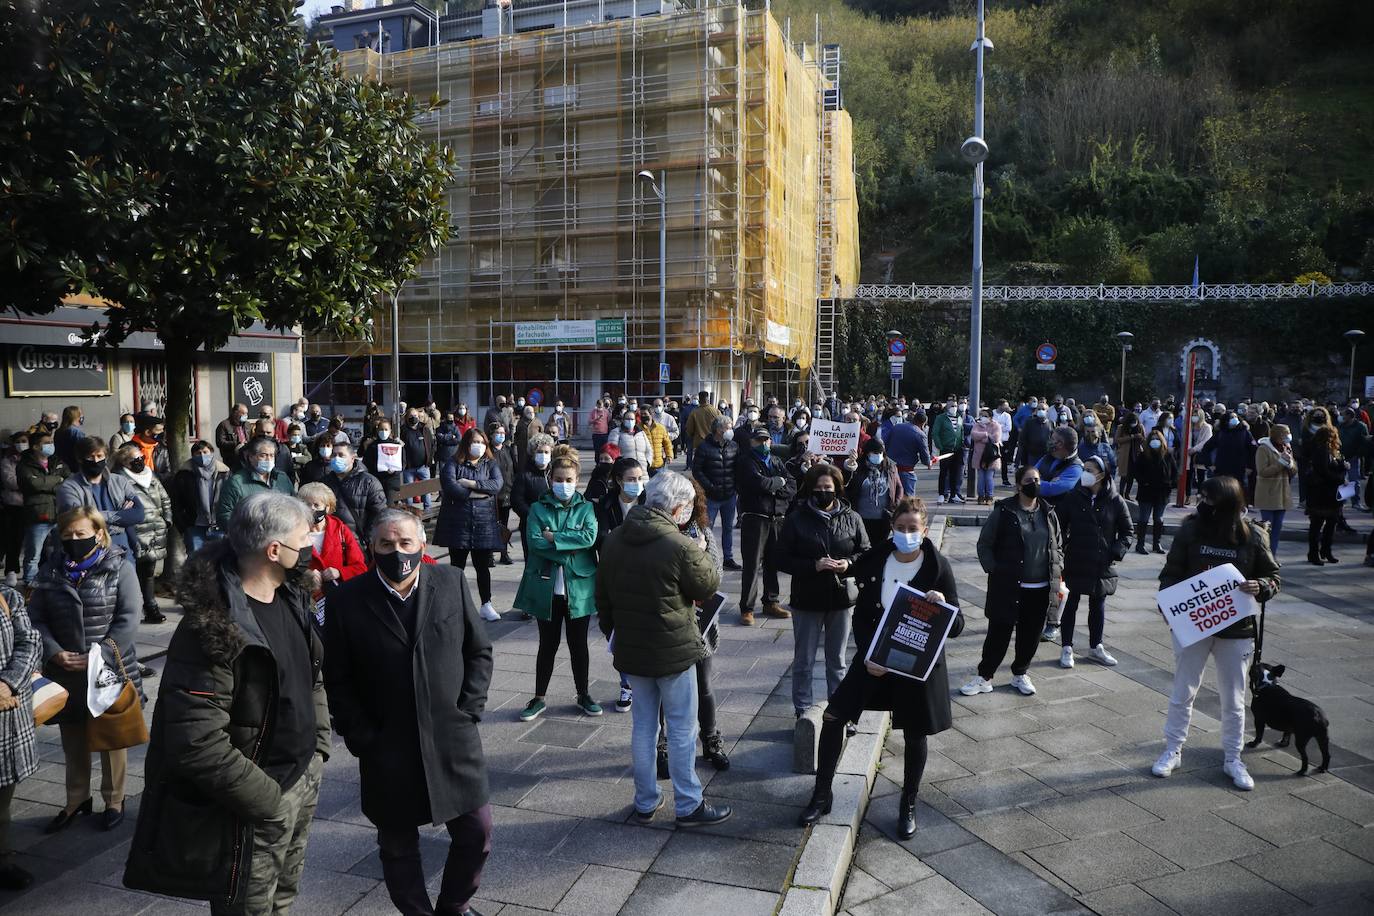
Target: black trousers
{"type": "Point", "coordinates": [1032, 606]}
{"type": "Point", "coordinates": [12, 539]}
{"type": "Point", "coordinates": [481, 560]}
{"type": "Point", "coordinates": [550, 632]}
{"type": "Point", "coordinates": [1320, 533]}
{"type": "Point", "coordinates": [1097, 619]}
{"type": "Point", "coordinates": [503, 519]}
{"type": "Point", "coordinates": [468, 849]}
{"type": "Point", "coordinates": [1007, 452]}
{"type": "Point", "coordinates": [147, 582]}
{"type": "Point", "coordinates": [952, 473]}
{"type": "Point", "coordinates": [832, 743]}
{"type": "Point", "coordinates": [758, 538]}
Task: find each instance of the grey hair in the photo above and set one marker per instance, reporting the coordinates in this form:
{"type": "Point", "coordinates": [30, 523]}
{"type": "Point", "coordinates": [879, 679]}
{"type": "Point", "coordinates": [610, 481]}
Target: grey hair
{"type": "Point", "coordinates": [720, 424]}
{"type": "Point", "coordinates": [667, 490]}
{"type": "Point", "coordinates": [538, 441]}
{"type": "Point", "coordinates": [263, 518]}
{"type": "Point", "coordinates": [391, 516]}
{"type": "Point", "coordinates": [1067, 436]}
{"type": "Point", "coordinates": [258, 443]}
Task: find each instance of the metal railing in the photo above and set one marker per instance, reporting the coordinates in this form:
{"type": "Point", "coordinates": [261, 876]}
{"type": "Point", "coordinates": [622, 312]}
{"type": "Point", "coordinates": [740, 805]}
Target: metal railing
{"type": "Point", "coordinates": [1232, 292]}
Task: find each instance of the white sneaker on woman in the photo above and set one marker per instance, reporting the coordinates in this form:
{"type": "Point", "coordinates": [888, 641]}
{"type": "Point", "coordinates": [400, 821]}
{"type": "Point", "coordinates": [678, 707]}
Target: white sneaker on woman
{"type": "Point", "coordinates": [1239, 774]}
{"type": "Point", "coordinates": [978, 685]}
{"type": "Point", "coordinates": [1022, 682]}
{"type": "Point", "coordinates": [1066, 657]}
{"type": "Point", "coordinates": [488, 612]}
{"type": "Point", "coordinates": [1167, 762]}
{"type": "Point", "coordinates": [1100, 655]}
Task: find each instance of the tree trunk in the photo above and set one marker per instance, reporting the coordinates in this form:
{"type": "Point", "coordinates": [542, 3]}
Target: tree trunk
{"type": "Point", "coordinates": [180, 364]}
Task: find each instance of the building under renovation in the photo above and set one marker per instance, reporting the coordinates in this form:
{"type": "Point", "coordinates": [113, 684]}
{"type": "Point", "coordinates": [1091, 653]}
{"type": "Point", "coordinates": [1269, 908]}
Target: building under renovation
{"type": "Point", "coordinates": [550, 285]}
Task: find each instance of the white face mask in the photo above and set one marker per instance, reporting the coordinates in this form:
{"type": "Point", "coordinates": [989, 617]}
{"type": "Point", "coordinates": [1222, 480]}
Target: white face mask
{"type": "Point", "coordinates": [1089, 479]}
{"type": "Point", "coordinates": [728, 434]}
{"type": "Point", "coordinates": [477, 449]}
{"type": "Point", "coordinates": [541, 459]}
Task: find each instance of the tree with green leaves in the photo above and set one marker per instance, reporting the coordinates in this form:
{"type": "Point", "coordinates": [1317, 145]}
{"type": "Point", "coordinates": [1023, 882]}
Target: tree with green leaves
{"type": "Point", "coordinates": [201, 167]}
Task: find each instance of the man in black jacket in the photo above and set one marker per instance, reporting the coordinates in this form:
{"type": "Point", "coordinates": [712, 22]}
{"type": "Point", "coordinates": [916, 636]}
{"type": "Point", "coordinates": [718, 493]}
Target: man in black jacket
{"type": "Point", "coordinates": [713, 465]}
{"type": "Point", "coordinates": [765, 490]}
{"type": "Point", "coordinates": [409, 663]}
{"type": "Point", "coordinates": [359, 495]}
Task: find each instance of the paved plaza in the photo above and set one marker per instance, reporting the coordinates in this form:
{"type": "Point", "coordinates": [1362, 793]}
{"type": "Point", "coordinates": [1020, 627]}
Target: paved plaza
{"type": "Point", "coordinates": [1030, 805]}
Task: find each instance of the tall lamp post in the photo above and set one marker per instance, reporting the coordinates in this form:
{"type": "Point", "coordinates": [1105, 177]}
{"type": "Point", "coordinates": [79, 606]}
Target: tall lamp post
{"type": "Point", "coordinates": [1125, 337]}
{"type": "Point", "coordinates": [896, 382]}
{"type": "Point", "coordinates": [975, 151]}
{"type": "Point", "coordinates": [660, 189]}
{"type": "Point", "coordinates": [1353, 335]}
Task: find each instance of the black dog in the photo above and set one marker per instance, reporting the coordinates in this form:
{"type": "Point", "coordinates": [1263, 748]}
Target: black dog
{"type": "Point", "coordinates": [1278, 708]}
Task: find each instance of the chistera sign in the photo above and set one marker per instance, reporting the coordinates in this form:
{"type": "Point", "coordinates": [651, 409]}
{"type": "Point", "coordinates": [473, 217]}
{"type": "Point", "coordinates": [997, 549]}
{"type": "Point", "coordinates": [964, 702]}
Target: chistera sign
{"type": "Point", "coordinates": [1206, 604]}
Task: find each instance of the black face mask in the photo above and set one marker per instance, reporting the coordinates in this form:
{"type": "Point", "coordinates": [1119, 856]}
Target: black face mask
{"type": "Point", "coordinates": [79, 548]}
{"type": "Point", "coordinates": [1206, 513]}
{"type": "Point", "coordinates": [1031, 488]}
{"type": "Point", "coordinates": [397, 565]}
{"type": "Point", "coordinates": [296, 572]}
{"type": "Point", "coordinates": [824, 499]}
{"type": "Point", "coordinates": [137, 465]}
{"type": "Point", "coordinates": [318, 516]}
{"type": "Point", "coordinates": [92, 468]}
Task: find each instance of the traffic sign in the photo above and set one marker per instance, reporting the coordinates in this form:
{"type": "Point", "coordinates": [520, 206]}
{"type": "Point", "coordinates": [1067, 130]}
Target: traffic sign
{"type": "Point", "coordinates": [665, 373]}
{"type": "Point", "coordinates": [897, 360]}
{"type": "Point", "coordinates": [535, 396]}
{"type": "Point", "coordinates": [1046, 353]}
{"type": "Point", "coordinates": [1048, 367]}
{"type": "Point", "coordinates": [896, 347]}
{"type": "Point", "coordinates": [897, 370]}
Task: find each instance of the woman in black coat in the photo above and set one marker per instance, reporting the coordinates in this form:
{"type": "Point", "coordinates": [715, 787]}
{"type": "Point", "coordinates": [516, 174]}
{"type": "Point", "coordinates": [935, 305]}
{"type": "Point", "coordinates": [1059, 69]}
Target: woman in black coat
{"type": "Point", "coordinates": [1156, 474]}
{"type": "Point", "coordinates": [467, 517]}
{"type": "Point", "coordinates": [1097, 533]}
{"type": "Point", "coordinates": [504, 456]}
{"type": "Point", "coordinates": [919, 708]}
{"type": "Point", "coordinates": [820, 540]}
{"type": "Point", "coordinates": [531, 481]}
{"type": "Point", "coordinates": [1326, 473]}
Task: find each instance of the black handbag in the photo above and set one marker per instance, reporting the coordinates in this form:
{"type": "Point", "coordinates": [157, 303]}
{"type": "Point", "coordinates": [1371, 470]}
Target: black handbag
{"type": "Point", "coordinates": [846, 591]}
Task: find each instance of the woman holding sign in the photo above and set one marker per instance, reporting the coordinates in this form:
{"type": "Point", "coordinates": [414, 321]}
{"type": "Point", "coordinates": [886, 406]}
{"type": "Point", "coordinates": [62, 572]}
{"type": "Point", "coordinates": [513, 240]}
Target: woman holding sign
{"type": "Point", "coordinates": [1217, 534]}
{"type": "Point", "coordinates": [919, 708]}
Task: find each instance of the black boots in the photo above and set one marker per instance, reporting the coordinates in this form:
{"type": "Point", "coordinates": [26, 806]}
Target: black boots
{"type": "Point", "coordinates": [906, 816]}
{"type": "Point", "coordinates": [817, 808]}
{"type": "Point", "coordinates": [713, 749]}
{"type": "Point", "coordinates": [1159, 533]}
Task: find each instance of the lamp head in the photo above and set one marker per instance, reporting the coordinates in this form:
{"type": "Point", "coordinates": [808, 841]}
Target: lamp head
{"type": "Point", "coordinates": [646, 175]}
{"type": "Point", "coordinates": [974, 150]}
{"type": "Point", "coordinates": [1353, 335]}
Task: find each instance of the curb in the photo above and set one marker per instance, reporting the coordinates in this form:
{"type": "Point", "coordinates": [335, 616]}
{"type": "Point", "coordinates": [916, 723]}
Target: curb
{"type": "Point", "coordinates": [1296, 534]}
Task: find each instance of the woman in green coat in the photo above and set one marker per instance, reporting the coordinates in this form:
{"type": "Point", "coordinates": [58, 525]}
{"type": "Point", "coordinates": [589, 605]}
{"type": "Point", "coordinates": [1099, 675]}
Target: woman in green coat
{"type": "Point", "coordinates": [559, 584]}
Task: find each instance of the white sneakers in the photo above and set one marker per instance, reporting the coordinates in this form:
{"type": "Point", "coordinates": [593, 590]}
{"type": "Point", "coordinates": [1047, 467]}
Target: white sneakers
{"type": "Point", "coordinates": [1022, 682]}
{"type": "Point", "coordinates": [488, 612]}
{"type": "Point", "coordinates": [1100, 655]}
{"type": "Point", "coordinates": [1239, 774]}
{"type": "Point", "coordinates": [978, 685]}
{"type": "Point", "coordinates": [1167, 762]}
{"type": "Point", "coordinates": [1066, 657]}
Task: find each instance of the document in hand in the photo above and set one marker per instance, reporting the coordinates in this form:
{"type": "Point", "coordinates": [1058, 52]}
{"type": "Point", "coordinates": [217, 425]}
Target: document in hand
{"type": "Point", "coordinates": [708, 612]}
{"type": "Point", "coordinates": [911, 634]}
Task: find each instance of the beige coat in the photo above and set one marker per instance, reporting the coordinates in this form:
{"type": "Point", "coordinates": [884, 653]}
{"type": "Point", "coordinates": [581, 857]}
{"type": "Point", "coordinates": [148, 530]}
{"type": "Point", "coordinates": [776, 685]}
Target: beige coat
{"type": "Point", "coordinates": [1273, 478]}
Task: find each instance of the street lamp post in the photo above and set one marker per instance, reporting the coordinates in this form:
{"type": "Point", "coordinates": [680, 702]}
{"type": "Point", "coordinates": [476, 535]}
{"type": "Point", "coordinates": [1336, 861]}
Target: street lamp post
{"type": "Point", "coordinates": [1125, 337]}
{"type": "Point", "coordinates": [1353, 335]}
{"type": "Point", "coordinates": [896, 382]}
{"type": "Point", "coordinates": [975, 151]}
{"type": "Point", "coordinates": [660, 189]}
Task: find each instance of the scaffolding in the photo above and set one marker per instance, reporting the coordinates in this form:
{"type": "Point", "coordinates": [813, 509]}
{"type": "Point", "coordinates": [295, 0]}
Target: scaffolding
{"type": "Point", "coordinates": [549, 129]}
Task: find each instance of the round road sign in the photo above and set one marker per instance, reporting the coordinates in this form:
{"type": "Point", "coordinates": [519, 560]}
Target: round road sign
{"type": "Point", "coordinates": [896, 347]}
{"type": "Point", "coordinates": [1046, 353]}
{"type": "Point", "coordinates": [535, 396]}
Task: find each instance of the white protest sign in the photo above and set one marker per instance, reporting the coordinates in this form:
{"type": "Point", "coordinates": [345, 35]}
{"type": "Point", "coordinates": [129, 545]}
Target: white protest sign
{"type": "Point", "coordinates": [831, 438]}
{"type": "Point", "coordinates": [388, 457]}
{"type": "Point", "coordinates": [1205, 604]}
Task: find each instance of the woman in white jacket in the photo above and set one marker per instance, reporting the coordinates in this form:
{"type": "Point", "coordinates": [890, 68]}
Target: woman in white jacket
{"type": "Point", "coordinates": [631, 441]}
{"type": "Point", "coordinates": [1202, 431]}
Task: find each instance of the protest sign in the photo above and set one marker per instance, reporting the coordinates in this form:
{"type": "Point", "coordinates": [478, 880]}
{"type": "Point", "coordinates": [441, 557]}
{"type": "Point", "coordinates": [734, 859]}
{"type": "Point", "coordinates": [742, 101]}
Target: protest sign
{"type": "Point", "coordinates": [1205, 604]}
{"type": "Point", "coordinates": [388, 457]}
{"type": "Point", "coordinates": [912, 634]}
{"type": "Point", "coordinates": [831, 438]}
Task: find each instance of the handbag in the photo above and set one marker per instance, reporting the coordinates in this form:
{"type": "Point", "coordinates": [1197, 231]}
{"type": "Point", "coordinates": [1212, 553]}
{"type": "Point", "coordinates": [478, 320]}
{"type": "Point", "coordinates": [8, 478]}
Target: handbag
{"type": "Point", "coordinates": [122, 725]}
{"type": "Point", "coordinates": [846, 591]}
{"type": "Point", "coordinates": [48, 696]}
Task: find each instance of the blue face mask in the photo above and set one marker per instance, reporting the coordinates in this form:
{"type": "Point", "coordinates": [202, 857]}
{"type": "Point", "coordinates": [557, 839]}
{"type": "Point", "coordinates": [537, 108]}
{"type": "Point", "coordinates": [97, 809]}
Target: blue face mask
{"type": "Point", "coordinates": [762, 450]}
{"type": "Point", "coordinates": [339, 465]}
{"type": "Point", "coordinates": [1156, 443]}
{"type": "Point", "coordinates": [205, 460]}
{"type": "Point", "coordinates": [632, 488]}
{"type": "Point", "coordinates": [46, 449]}
{"type": "Point", "coordinates": [907, 542]}
{"type": "Point", "coordinates": [499, 438]}
{"type": "Point", "coordinates": [875, 459]}
{"type": "Point", "coordinates": [127, 428]}
{"type": "Point", "coordinates": [564, 490]}
{"type": "Point", "coordinates": [265, 466]}
{"type": "Point", "coordinates": [295, 440]}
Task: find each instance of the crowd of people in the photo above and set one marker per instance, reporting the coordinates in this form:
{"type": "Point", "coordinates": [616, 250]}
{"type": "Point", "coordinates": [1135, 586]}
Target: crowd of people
{"type": "Point", "coordinates": [310, 600]}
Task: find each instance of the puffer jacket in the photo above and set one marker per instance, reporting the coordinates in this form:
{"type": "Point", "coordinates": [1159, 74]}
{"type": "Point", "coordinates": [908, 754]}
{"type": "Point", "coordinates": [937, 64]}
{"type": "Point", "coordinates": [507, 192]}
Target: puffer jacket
{"type": "Point", "coordinates": [633, 445]}
{"type": "Point", "coordinates": [874, 491]}
{"type": "Point", "coordinates": [10, 494]}
{"type": "Point", "coordinates": [529, 484]}
{"type": "Point", "coordinates": [1194, 552]}
{"type": "Point", "coordinates": [446, 439]}
{"type": "Point", "coordinates": [764, 485]}
{"type": "Point", "coordinates": [1156, 475]}
{"type": "Point", "coordinates": [573, 548]}
{"type": "Point", "coordinates": [1001, 553]}
{"type": "Point", "coordinates": [216, 712]}
{"type": "Point", "coordinates": [660, 444]}
{"type": "Point", "coordinates": [157, 518]}
{"type": "Point", "coordinates": [809, 534]}
{"type": "Point", "coordinates": [39, 485]}
{"type": "Point", "coordinates": [360, 499]}
{"type": "Point", "coordinates": [713, 465]}
{"type": "Point", "coordinates": [105, 604]}
{"type": "Point", "coordinates": [467, 516]}
{"type": "Point", "coordinates": [505, 463]}
{"type": "Point", "coordinates": [76, 490]}
{"type": "Point", "coordinates": [1097, 534]}
{"type": "Point", "coordinates": [651, 577]}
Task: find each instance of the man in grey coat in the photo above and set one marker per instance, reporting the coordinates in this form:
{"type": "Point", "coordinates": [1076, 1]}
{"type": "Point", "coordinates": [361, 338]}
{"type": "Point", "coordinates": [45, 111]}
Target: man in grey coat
{"type": "Point", "coordinates": [92, 484]}
{"type": "Point", "coordinates": [407, 666]}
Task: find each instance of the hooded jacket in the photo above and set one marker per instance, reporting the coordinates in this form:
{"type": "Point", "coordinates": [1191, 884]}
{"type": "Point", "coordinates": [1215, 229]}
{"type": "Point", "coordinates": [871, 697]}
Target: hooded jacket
{"type": "Point", "coordinates": [650, 578]}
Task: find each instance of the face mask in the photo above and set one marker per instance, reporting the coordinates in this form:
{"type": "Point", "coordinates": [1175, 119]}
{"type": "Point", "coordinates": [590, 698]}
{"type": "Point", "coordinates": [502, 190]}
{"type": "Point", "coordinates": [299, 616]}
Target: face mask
{"type": "Point", "coordinates": [317, 516]}
{"type": "Point", "coordinates": [753, 415]}
{"type": "Point", "coordinates": [21, 446]}
{"type": "Point", "coordinates": [823, 498]}
{"type": "Point", "coordinates": [477, 450]}
{"type": "Point", "coordinates": [801, 423]}
{"type": "Point", "coordinates": [951, 411]}
{"type": "Point", "coordinates": [762, 450]}
{"type": "Point", "coordinates": [462, 411]}
{"type": "Point", "coordinates": [297, 415]}
{"type": "Point", "coordinates": [558, 409]}
{"type": "Point", "coordinates": [1031, 488]}
{"type": "Point", "coordinates": [499, 438]}
{"type": "Point", "coordinates": [1089, 421]}
{"type": "Point", "coordinates": [632, 488]}
{"type": "Point", "coordinates": [541, 459]}
{"type": "Point", "coordinates": [127, 428]}
{"type": "Point", "coordinates": [1156, 443]}
{"type": "Point", "coordinates": [79, 548]}
{"type": "Point", "coordinates": [398, 565]}
{"type": "Point", "coordinates": [1232, 423]}
{"type": "Point", "coordinates": [296, 440]}
{"type": "Point", "coordinates": [1088, 479]}
{"type": "Point", "coordinates": [875, 459]}
{"type": "Point", "coordinates": [564, 490]}
{"type": "Point", "coordinates": [657, 410]}
{"type": "Point", "coordinates": [383, 434]}
{"type": "Point", "coordinates": [1040, 413]}
{"type": "Point", "coordinates": [907, 541]}
{"type": "Point", "coordinates": [339, 465]}
{"type": "Point", "coordinates": [1033, 405]}
{"type": "Point", "coordinates": [92, 468]}
{"type": "Point", "coordinates": [727, 435]}
{"type": "Point", "coordinates": [628, 423]}
{"type": "Point", "coordinates": [264, 465]}
{"type": "Point", "coordinates": [46, 449]}
{"type": "Point", "coordinates": [1206, 512]}
{"type": "Point", "coordinates": [1312, 428]}
{"type": "Point", "coordinates": [138, 465]}
{"type": "Point", "coordinates": [412, 421]}
{"type": "Point", "coordinates": [520, 403]}
{"type": "Point", "coordinates": [326, 453]}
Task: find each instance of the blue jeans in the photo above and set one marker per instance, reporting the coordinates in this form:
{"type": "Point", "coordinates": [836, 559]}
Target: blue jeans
{"type": "Point", "coordinates": [678, 697]}
{"type": "Point", "coordinates": [1275, 519]}
{"type": "Point", "coordinates": [410, 475]}
{"type": "Point", "coordinates": [985, 481]}
{"type": "Point", "coordinates": [34, 537]}
{"type": "Point", "coordinates": [197, 536]}
{"type": "Point", "coordinates": [807, 627]}
{"type": "Point", "coordinates": [908, 479]}
{"type": "Point", "coordinates": [725, 508]}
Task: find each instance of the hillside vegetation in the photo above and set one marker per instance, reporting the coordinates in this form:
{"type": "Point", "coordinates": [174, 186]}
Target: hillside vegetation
{"type": "Point", "coordinates": [1127, 137]}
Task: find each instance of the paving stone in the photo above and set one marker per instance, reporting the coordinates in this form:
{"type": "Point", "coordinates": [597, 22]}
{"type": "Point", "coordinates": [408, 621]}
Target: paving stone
{"type": "Point", "coordinates": [996, 754]}
{"type": "Point", "coordinates": [1224, 889]}
{"type": "Point", "coordinates": [1284, 820]}
{"type": "Point", "coordinates": [759, 821]}
{"type": "Point", "coordinates": [806, 740]}
{"type": "Point", "coordinates": [935, 832]}
{"type": "Point", "coordinates": [560, 732]}
{"type": "Point", "coordinates": [862, 886]}
{"type": "Point", "coordinates": [998, 725]}
{"type": "Point", "coordinates": [1182, 793]}
{"type": "Point", "coordinates": [1001, 789]}
{"type": "Point", "coordinates": [601, 842]}
{"type": "Point", "coordinates": [663, 895]}
{"type": "Point", "coordinates": [581, 798]}
{"type": "Point", "coordinates": [933, 895]}
{"type": "Point", "coordinates": [803, 901]}
{"type": "Point", "coordinates": [1091, 813]}
{"type": "Point", "coordinates": [1101, 861]}
{"type": "Point", "coordinates": [1194, 840]}
{"type": "Point", "coordinates": [335, 846]}
{"type": "Point", "coordinates": [997, 882]}
{"type": "Point", "coordinates": [1340, 798]}
{"type": "Point", "coordinates": [739, 863]}
{"type": "Point", "coordinates": [1085, 773]}
{"type": "Point", "coordinates": [532, 831]}
{"type": "Point", "coordinates": [529, 879]}
{"type": "Point", "coordinates": [1073, 740]}
{"type": "Point", "coordinates": [763, 756]}
{"type": "Point", "coordinates": [601, 891]}
{"type": "Point", "coordinates": [1314, 871]}
{"type": "Point", "coordinates": [888, 862]}
{"type": "Point", "coordinates": [1013, 830]}
{"type": "Point", "coordinates": [825, 859]}
{"type": "Point", "coordinates": [1360, 842]}
{"type": "Point", "coordinates": [1125, 900]}
{"type": "Point", "coordinates": [777, 789]}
